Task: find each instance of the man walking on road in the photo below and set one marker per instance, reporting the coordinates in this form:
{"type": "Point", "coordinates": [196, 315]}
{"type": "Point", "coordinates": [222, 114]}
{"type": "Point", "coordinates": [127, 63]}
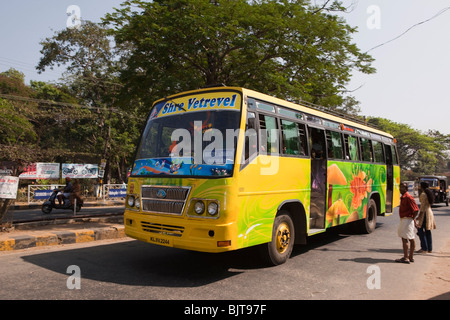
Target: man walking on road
{"type": "Point", "coordinates": [408, 211]}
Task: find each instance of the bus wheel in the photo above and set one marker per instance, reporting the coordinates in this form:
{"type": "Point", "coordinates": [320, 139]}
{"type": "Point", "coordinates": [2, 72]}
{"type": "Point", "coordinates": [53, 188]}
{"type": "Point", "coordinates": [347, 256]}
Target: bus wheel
{"type": "Point", "coordinates": [280, 248]}
{"type": "Point", "coordinates": [368, 224]}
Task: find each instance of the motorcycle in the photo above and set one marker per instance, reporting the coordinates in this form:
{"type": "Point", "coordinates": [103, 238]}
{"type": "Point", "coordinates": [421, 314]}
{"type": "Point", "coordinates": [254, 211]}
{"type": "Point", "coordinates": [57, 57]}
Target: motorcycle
{"type": "Point", "coordinates": [72, 170]}
{"type": "Point", "coordinates": [51, 203]}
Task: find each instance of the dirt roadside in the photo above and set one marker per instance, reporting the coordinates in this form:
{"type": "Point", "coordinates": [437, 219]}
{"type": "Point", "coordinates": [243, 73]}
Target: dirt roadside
{"type": "Point", "coordinates": [435, 281]}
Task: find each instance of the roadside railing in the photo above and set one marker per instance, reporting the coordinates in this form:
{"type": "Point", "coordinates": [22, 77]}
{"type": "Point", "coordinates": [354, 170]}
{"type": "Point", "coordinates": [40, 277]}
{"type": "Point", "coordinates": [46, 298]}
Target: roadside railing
{"type": "Point", "coordinates": [114, 191]}
{"type": "Point", "coordinates": [40, 193]}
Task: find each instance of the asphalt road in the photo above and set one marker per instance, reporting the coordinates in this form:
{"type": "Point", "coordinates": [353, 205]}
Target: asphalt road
{"type": "Point", "coordinates": [334, 265]}
{"type": "Point", "coordinates": [37, 214]}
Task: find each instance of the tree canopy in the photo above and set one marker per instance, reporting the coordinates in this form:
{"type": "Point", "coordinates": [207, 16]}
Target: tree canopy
{"type": "Point", "coordinates": [290, 49]}
{"type": "Point", "coordinates": [92, 64]}
{"type": "Point", "coordinates": [419, 153]}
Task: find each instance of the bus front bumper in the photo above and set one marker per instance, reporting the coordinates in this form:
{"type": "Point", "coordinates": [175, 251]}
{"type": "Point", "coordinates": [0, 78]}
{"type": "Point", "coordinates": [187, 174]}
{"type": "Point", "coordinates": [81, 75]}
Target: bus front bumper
{"type": "Point", "coordinates": [205, 235]}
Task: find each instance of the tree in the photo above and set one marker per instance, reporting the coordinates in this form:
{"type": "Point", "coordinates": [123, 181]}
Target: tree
{"type": "Point", "coordinates": [17, 133]}
{"type": "Point", "coordinates": [418, 153]}
{"type": "Point", "coordinates": [36, 120]}
{"type": "Point", "coordinates": [12, 82]}
{"type": "Point", "coordinates": [15, 128]}
{"type": "Point", "coordinates": [290, 49]}
{"type": "Point", "coordinates": [91, 76]}
{"type": "Point", "coordinates": [443, 141]}
{"type": "Point", "coordinates": [61, 121]}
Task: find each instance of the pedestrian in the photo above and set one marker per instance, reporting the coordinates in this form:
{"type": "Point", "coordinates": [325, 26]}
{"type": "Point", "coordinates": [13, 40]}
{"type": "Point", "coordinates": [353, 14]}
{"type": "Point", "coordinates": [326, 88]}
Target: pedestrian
{"type": "Point", "coordinates": [425, 222]}
{"type": "Point", "coordinates": [406, 230]}
{"type": "Point", "coordinates": [76, 193]}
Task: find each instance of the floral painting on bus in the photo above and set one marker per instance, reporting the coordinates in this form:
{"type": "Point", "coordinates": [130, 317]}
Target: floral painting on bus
{"type": "Point", "coordinates": [349, 188]}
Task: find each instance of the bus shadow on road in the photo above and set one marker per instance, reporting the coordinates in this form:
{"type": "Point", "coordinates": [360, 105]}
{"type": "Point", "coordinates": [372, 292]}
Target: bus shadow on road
{"type": "Point", "coordinates": [319, 242]}
{"type": "Point", "coordinates": [138, 263]}
{"type": "Point", "coordinates": [331, 235]}
{"type": "Point", "coordinates": [142, 264]}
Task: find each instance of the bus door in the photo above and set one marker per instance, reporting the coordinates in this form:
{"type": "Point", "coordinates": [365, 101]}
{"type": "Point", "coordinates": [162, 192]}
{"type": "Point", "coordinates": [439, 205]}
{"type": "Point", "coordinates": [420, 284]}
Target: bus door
{"type": "Point", "coordinates": [389, 177]}
{"type": "Point", "coordinates": [318, 154]}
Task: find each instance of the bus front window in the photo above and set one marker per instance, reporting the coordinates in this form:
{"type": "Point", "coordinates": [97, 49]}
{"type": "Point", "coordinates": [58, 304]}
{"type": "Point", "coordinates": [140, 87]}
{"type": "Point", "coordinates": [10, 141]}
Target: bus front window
{"type": "Point", "coordinates": [201, 143]}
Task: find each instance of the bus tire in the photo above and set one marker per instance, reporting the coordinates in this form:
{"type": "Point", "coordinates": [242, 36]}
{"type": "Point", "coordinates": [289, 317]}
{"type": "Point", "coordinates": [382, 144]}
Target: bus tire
{"type": "Point", "coordinates": [368, 224]}
{"type": "Point", "coordinates": [280, 248]}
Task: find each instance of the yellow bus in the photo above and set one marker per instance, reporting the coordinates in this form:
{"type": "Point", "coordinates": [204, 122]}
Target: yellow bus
{"type": "Point", "coordinates": [226, 168]}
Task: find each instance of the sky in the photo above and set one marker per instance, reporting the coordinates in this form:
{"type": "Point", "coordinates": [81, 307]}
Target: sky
{"type": "Point", "coordinates": [409, 87]}
{"type": "Point", "coordinates": [413, 71]}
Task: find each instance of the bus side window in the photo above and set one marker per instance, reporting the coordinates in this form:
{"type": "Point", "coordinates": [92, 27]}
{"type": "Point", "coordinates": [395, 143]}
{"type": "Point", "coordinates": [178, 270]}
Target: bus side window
{"type": "Point", "coordinates": [388, 152]}
{"type": "Point", "coordinates": [293, 138]}
{"type": "Point", "coordinates": [303, 139]}
{"type": "Point", "coordinates": [251, 137]}
{"type": "Point", "coordinates": [269, 143]}
{"type": "Point", "coordinates": [378, 151]}
{"type": "Point", "coordinates": [317, 143]}
{"type": "Point", "coordinates": [334, 143]}
{"type": "Point", "coordinates": [394, 155]}
{"type": "Point", "coordinates": [366, 150]}
{"type": "Point", "coordinates": [351, 148]}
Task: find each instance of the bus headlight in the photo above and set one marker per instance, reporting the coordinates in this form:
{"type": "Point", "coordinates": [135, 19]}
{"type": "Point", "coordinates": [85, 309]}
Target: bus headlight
{"type": "Point", "coordinates": [204, 208]}
{"type": "Point", "coordinates": [213, 208]}
{"type": "Point", "coordinates": [199, 207]}
{"type": "Point", "coordinates": [130, 201]}
{"type": "Point", "coordinates": [137, 203]}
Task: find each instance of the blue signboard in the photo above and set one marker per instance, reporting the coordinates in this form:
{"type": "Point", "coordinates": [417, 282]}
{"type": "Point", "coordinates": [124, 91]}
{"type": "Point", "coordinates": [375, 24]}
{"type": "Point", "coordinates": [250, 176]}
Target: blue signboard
{"type": "Point", "coordinates": [117, 193]}
{"type": "Point", "coordinates": [42, 194]}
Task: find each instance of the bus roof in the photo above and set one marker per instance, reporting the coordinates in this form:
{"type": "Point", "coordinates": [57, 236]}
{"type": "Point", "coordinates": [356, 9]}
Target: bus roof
{"type": "Point", "coordinates": [313, 110]}
{"type": "Point", "coordinates": [308, 109]}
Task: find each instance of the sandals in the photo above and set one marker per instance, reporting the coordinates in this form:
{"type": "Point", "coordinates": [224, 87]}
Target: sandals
{"type": "Point", "coordinates": [403, 260]}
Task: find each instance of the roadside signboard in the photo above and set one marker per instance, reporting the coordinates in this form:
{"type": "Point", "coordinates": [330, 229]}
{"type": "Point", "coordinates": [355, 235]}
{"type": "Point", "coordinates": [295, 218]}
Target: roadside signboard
{"type": "Point", "coordinates": [8, 187]}
{"type": "Point", "coordinates": [41, 170]}
{"type": "Point", "coordinates": [82, 171]}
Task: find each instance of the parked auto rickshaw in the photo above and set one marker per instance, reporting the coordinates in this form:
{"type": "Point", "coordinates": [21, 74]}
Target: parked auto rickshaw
{"type": "Point", "coordinates": [437, 184]}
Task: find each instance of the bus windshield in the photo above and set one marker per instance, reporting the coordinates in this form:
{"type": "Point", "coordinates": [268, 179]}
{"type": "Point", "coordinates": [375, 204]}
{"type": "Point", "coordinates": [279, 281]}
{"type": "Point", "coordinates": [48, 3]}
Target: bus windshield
{"type": "Point", "coordinates": [180, 140]}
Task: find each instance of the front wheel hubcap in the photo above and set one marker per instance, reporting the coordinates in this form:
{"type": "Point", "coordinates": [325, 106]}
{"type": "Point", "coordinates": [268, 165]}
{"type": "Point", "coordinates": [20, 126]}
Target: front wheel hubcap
{"type": "Point", "coordinates": [283, 237]}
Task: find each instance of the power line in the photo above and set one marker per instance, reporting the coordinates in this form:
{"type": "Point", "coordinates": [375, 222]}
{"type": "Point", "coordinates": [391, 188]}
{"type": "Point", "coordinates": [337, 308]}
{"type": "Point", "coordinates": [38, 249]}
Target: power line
{"type": "Point", "coordinates": [64, 104]}
{"type": "Point", "coordinates": [16, 64]}
{"type": "Point", "coordinates": [413, 26]}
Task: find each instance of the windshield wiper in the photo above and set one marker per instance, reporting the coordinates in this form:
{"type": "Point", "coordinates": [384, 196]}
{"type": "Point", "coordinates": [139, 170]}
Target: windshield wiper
{"type": "Point", "coordinates": [177, 105]}
{"type": "Point", "coordinates": [180, 107]}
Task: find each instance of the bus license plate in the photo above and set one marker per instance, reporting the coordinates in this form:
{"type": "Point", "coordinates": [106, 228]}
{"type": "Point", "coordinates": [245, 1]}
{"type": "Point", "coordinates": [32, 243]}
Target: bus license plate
{"type": "Point", "coordinates": [161, 241]}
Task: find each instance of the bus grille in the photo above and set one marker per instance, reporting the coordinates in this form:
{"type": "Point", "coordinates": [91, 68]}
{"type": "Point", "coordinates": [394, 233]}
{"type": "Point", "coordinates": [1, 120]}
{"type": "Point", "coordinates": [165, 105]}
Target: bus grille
{"type": "Point", "coordinates": [162, 229]}
{"type": "Point", "coordinates": [166, 200]}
